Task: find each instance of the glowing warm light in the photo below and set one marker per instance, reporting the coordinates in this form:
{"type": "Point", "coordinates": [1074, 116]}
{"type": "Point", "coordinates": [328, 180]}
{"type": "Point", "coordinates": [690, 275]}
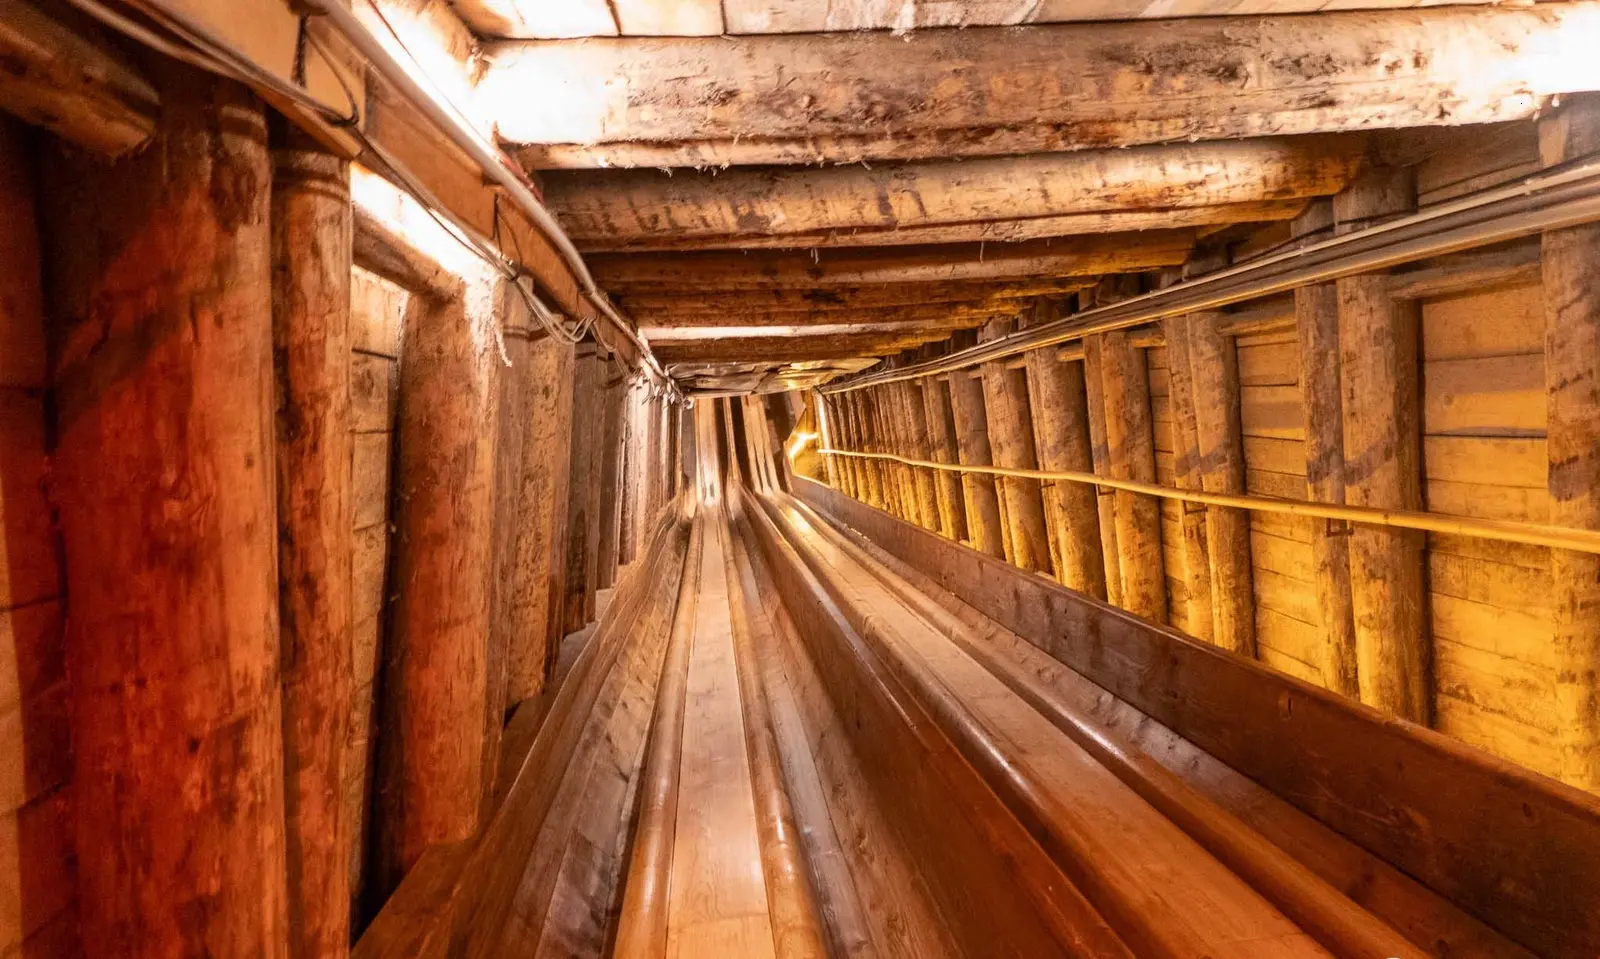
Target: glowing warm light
{"type": "Point", "coordinates": [436, 45]}
{"type": "Point", "coordinates": [800, 442]}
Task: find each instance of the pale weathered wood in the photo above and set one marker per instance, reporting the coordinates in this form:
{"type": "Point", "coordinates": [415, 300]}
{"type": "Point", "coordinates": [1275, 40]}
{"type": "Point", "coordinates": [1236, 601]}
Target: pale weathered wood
{"type": "Point", "coordinates": [919, 445]}
{"type": "Point", "coordinates": [1005, 394]}
{"type": "Point", "coordinates": [536, 608]}
{"type": "Point", "coordinates": [68, 80]}
{"type": "Point", "coordinates": [610, 481]}
{"type": "Point", "coordinates": [978, 490]}
{"type": "Point", "coordinates": [311, 333]}
{"type": "Point", "coordinates": [1317, 324]}
{"type": "Point", "coordinates": [586, 397]}
{"type": "Point", "coordinates": [846, 97]}
{"type": "Point", "coordinates": [870, 471]}
{"type": "Point", "coordinates": [646, 303]}
{"type": "Point", "coordinates": [1572, 377]}
{"type": "Point", "coordinates": [942, 449]}
{"type": "Point", "coordinates": [1094, 392]}
{"type": "Point", "coordinates": [1199, 619]}
{"type": "Point", "coordinates": [1214, 369]}
{"type": "Point", "coordinates": [159, 273]}
{"type": "Point", "coordinates": [1382, 402]}
{"type": "Point", "coordinates": [1061, 438]}
{"type": "Point", "coordinates": [431, 759]}
{"type": "Point", "coordinates": [1011, 198]}
{"type": "Point", "coordinates": [1131, 454]}
{"type": "Point", "coordinates": [1071, 256]}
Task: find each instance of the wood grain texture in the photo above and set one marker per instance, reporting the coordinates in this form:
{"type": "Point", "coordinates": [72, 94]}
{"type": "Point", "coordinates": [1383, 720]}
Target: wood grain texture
{"type": "Point", "coordinates": [160, 282]}
{"type": "Point", "coordinates": [1010, 421]}
{"type": "Point", "coordinates": [782, 99]}
{"type": "Point", "coordinates": [311, 339]}
{"type": "Point", "coordinates": [979, 490]}
{"type": "Point", "coordinates": [1130, 449]}
{"type": "Point", "coordinates": [431, 762]}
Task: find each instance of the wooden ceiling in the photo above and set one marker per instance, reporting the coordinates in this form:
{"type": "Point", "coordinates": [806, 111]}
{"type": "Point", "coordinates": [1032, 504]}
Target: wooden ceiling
{"type": "Point", "coordinates": [801, 186]}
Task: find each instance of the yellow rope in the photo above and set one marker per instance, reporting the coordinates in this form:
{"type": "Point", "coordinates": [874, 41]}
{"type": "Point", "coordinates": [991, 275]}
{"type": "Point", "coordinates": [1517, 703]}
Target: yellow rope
{"type": "Point", "coordinates": [1510, 531]}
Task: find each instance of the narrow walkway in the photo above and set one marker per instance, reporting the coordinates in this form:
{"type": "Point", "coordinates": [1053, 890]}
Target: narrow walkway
{"type": "Point", "coordinates": [719, 898]}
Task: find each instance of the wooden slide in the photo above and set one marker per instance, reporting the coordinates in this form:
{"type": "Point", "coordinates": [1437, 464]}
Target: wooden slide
{"type": "Point", "coordinates": [805, 729]}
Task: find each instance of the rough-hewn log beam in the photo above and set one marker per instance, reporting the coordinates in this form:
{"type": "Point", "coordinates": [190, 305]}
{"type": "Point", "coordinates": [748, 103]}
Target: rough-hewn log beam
{"type": "Point", "coordinates": [1094, 391]}
{"type": "Point", "coordinates": [1382, 444]}
{"type": "Point", "coordinates": [644, 304]}
{"type": "Point", "coordinates": [159, 293]}
{"type": "Point", "coordinates": [780, 349]}
{"type": "Point", "coordinates": [1572, 372]}
{"type": "Point", "coordinates": [586, 398]}
{"type": "Point", "coordinates": [1197, 587]}
{"type": "Point", "coordinates": [787, 99]}
{"type": "Point", "coordinates": [431, 761]}
{"type": "Point", "coordinates": [311, 335]}
{"type": "Point", "coordinates": [1130, 444]}
{"type": "Point", "coordinates": [993, 231]}
{"type": "Point", "coordinates": [1005, 395]}
{"type": "Point", "coordinates": [952, 315]}
{"type": "Point", "coordinates": [1073, 256]}
{"type": "Point", "coordinates": [942, 449]}
{"type": "Point", "coordinates": [1219, 442]}
{"type": "Point", "coordinates": [1316, 311]}
{"type": "Point", "coordinates": [67, 81]}
{"type": "Point", "coordinates": [1002, 198]}
{"type": "Point", "coordinates": [972, 445]}
{"type": "Point", "coordinates": [1061, 440]}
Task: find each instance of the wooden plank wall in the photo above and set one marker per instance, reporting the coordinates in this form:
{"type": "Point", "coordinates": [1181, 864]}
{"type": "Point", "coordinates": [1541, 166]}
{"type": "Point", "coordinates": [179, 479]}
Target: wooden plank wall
{"type": "Point", "coordinates": [1491, 624]}
{"type": "Point", "coordinates": [377, 309]}
{"type": "Point", "coordinates": [36, 916]}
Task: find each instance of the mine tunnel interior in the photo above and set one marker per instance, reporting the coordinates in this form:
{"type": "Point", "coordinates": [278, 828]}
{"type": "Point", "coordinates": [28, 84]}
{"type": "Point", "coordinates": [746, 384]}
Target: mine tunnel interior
{"type": "Point", "coordinates": [799, 479]}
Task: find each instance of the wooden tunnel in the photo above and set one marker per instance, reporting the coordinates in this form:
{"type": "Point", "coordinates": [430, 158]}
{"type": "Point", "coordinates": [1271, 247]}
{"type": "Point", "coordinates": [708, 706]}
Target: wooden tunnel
{"type": "Point", "coordinates": [799, 479]}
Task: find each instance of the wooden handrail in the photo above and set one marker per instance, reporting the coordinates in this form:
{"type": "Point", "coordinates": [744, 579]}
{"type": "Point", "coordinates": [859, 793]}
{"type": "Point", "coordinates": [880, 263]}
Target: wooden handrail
{"type": "Point", "coordinates": [1508, 531]}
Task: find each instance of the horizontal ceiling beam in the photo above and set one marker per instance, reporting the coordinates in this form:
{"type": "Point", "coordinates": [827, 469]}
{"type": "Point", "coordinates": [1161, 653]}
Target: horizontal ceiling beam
{"type": "Point", "coordinates": [543, 20]}
{"type": "Point", "coordinates": [937, 315]}
{"type": "Point", "coordinates": [843, 97]}
{"type": "Point", "coordinates": [786, 349]}
{"type": "Point", "coordinates": [1001, 198]}
{"type": "Point", "coordinates": [1071, 256]}
{"type": "Point", "coordinates": [837, 298]}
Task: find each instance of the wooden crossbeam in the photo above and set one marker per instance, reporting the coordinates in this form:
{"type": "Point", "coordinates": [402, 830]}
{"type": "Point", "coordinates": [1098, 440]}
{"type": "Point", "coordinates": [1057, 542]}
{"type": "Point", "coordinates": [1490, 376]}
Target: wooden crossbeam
{"type": "Point", "coordinates": [843, 97]}
{"type": "Point", "coordinates": [1074, 256]}
{"type": "Point", "coordinates": [995, 199]}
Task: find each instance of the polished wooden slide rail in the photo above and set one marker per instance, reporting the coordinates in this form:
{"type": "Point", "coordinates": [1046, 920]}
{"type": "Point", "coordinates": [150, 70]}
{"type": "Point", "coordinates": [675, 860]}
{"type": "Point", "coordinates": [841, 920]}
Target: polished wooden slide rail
{"type": "Point", "coordinates": [805, 728]}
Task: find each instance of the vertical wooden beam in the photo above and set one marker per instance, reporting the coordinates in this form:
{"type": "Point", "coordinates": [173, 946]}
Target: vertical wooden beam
{"type": "Point", "coordinates": [1005, 393]}
{"type": "Point", "coordinates": [628, 483]}
{"type": "Point", "coordinates": [431, 753]}
{"type": "Point", "coordinates": [511, 515]}
{"type": "Point", "coordinates": [610, 479]}
{"type": "Point", "coordinates": [160, 292]}
{"type": "Point", "coordinates": [1131, 444]}
{"type": "Point", "coordinates": [541, 569]}
{"type": "Point", "coordinates": [586, 373]}
{"type": "Point", "coordinates": [1061, 440]}
{"type": "Point", "coordinates": [1382, 439]}
{"type": "Point", "coordinates": [868, 474]}
{"type": "Point", "coordinates": [1214, 366]}
{"type": "Point", "coordinates": [594, 420]}
{"type": "Point", "coordinates": [1186, 468]}
{"type": "Point", "coordinates": [972, 444]}
{"type": "Point", "coordinates": [942, 449]}
{"type": "Point", "coordinates": [311, 243]}
{"type": "Point", "coordinates": [894, 441]}
{"type": "Point", "coordinates": [1571, 274]}
{"type": "Point", "coordinates": [914, 423]}
{"type": "Point", "coordinates": [1094, 392]}
{"type": "Point", "coordinates": [879, 440]}
{"type": "Point", "coordinates": [1316, 310]}
{"type": "Point", "coordinates": [828, 435]}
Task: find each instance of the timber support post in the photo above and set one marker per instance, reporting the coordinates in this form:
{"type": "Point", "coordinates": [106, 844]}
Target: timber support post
{"type": "Point", "coordinates": [1378, 342]}
{"type": "Point", "coordinates": [1005, 393]}
{"type": "Point", "coordinates": [1316, 308]}
{"type": "Point", "coordinates": [173, 645]}
{"type": "Point", "coordinates": [942, 449]}
{"type": "Point", "coordinates": [1571, 274]}
{"type": "Point", "coordinates": [972, 442]}
{"type": "Point", "coordinates": [1131, 448]}
{"type": "Point", "coordinates": [1094, 391]}
{"type": "Point", "coordinates": [1197, 583]}
{"type": "Point", "coordinates": [311, 251]}
{"type": "Point", "coordinates": [431, 756]}
{"type": "Point", "coordinates": [1219, 443]}
{"type": "Point", "coordinates": [1061, 439]}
